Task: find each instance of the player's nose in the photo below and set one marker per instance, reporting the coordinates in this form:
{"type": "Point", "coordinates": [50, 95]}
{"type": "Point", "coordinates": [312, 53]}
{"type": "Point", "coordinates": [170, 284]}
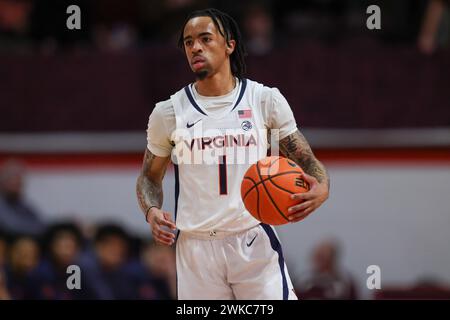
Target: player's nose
{"type": "Point", "coordinates": [196, 47]}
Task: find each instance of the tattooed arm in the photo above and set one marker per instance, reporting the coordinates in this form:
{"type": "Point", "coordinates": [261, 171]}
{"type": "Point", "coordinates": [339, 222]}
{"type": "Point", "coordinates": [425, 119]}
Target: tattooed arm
{"type": "Point", "coordinates": [296, 148]}
{"type": "Point", "coordinates": [150, 196]}
{"type": "Point", "coordinates": [149, 183]}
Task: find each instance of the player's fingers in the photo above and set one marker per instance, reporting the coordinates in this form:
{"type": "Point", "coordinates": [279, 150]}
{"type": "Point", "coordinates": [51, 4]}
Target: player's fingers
{"type": "Point", "coordinates": [303, 196]}
{"type": "Point", "coordinates": [300, 207]}
{"type": "Point", "coordinates": [158, 231]}
{"type": "Point", "coordinates": [300, 216]}
{"type": "Point", "coordinates": [308, 178]}
{"type": "Point", "coordinates": [165, 222]}
{"type": "Point", "coordinates": [163, 236]}
{"type": "Point", "coordinates": [164, 241]}
{"type": "Point", "coordinates": [300, 213]}
{"type": "Point", "coordinates": [168, 218]}
{"type": "Point", "coordinates": [155, 233]}
{"type": "Point", "coordinates": [167, 234]}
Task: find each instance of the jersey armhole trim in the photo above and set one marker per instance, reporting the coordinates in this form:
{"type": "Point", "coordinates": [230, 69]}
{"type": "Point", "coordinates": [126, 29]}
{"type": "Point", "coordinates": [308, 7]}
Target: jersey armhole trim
{"type": "Point", "coordinates": [159, 152]}
{"type": "Point", "coordinates": [289, 133]}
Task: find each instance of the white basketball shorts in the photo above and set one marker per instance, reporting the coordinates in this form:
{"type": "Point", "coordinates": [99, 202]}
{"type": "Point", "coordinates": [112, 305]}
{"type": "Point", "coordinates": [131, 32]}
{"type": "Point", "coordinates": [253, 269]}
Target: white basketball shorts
{"type": "Point", "coordinates": [243, 266]}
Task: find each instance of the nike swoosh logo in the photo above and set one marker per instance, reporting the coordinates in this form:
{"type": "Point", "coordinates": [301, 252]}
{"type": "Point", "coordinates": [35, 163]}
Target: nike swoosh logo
{"type": "Point", "coordinates": [188, 125]}
{"type": "Point", "coordinates": [251, 242]}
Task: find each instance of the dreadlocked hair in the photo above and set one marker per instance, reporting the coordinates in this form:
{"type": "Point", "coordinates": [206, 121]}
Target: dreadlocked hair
{"type": "Point", "coordinates": [229, 29]}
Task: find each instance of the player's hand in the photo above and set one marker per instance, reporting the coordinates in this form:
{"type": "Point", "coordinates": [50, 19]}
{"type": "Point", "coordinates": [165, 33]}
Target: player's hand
{"type": "Point", "coordinates": [312, 199]}
{"type": "Point", "coordinates": [159, 222]}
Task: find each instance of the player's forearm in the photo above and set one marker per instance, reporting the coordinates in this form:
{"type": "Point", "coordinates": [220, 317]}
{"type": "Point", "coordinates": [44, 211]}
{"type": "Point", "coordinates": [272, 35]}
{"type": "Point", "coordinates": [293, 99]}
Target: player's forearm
{"type": "Point", "coordinates": [149, 193]}
{"type": "Point", "coordinates": [149, 185]}
{"type": "Point", "coordinates": [296, 148]}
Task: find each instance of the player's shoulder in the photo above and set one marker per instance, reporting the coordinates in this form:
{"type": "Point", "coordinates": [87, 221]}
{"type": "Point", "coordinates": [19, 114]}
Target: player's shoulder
{"type": "Point", "coordinates": [164, 104]}
{"type": "Point", "coordinates": [265, 89]}
{"type": "Point", "coordinates": [252, 83]}
{"type": "Point", "coordinates": [163, 107]}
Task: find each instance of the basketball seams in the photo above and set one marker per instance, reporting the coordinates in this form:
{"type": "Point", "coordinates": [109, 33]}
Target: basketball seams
{"type": "Point", "coordinates": [257, 204]}
{"type": "Point", "coordinates": [268, 170]}
{"type": "Point", "coordinates": [254, 182]}
{"type": "Point", "coordinates": [259, 182]}
{"type": "Point", "coordinates": [270, 177]}
{"type": "Point", "coordinates": [268, 194]}
{"type": "Point", "coordinates": [276, 185]}
{"type": "Point", "coordinates": [257, 196]}
{"type": "Point", "coordinates": [248, 191]}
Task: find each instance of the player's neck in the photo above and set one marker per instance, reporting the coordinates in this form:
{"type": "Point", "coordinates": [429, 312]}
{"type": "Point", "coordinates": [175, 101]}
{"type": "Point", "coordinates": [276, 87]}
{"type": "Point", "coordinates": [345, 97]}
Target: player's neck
{"type": "Point", "coordinates": [217, 85]}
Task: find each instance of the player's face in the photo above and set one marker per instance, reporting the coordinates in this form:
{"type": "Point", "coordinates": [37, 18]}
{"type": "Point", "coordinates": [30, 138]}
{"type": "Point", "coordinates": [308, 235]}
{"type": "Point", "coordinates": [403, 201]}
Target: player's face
{"type": "Point", "coordinates": [205, 47]}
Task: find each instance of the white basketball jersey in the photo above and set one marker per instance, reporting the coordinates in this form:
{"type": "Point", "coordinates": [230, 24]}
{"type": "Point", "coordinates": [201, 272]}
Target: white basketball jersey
{"type": "Point", "coordinates": [212, 152]}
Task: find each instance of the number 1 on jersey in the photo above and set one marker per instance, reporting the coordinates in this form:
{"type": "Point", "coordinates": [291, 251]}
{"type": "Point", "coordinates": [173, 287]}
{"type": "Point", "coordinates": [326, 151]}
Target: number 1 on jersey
{"type": "Point", "coordinates": [223, 175]}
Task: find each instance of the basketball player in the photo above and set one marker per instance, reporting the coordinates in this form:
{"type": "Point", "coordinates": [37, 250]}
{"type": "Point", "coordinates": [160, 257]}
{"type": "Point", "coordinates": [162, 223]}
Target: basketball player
{"type": "Point", "coordinates": [222, 252]}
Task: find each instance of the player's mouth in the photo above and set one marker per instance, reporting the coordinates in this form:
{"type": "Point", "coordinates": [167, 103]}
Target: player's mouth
{"type": "Point", "coordinates": [198, 62]}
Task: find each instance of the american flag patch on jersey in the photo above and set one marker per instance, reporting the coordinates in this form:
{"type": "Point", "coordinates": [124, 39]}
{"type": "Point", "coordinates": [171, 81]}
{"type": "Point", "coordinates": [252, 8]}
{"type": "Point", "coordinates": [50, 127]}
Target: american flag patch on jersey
{"type": "Point", "coordinates": [245, 113]}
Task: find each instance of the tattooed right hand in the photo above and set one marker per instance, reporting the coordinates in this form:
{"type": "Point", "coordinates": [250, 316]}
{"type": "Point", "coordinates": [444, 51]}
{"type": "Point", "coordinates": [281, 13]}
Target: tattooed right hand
{"type": "Point", "coordinates": [158, 220]}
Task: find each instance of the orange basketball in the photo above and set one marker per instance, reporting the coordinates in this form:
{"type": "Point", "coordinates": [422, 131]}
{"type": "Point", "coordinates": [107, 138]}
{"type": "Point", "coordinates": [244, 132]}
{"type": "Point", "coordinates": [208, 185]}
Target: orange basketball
{"type": "Point", "coordinates": [267, 187]}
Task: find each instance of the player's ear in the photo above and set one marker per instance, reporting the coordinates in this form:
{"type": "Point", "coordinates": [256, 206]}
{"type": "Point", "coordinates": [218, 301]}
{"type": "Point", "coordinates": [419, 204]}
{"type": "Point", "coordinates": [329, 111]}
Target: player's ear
{"type": "Point", "coordinates": [230, 47]}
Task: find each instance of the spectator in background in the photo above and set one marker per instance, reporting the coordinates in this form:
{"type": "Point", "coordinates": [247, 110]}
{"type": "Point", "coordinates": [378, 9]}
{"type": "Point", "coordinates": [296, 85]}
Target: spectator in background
{"type": "Point", "coordinates": [312, 19]}
{"type": "Point", "coordinates": [3, 249]}
{"type": "Point", "coordinates": [23, 258]}
{"type": "Point", "coordinates": [326, 280]}
{"type": "Point", "coordinates": [160, 19]}
{"type": "Point", "coordinates": [155, 275]}
{"type": "Point", "coordinates": [259, 30]}
{"type": "Point", "coordinates": [107, 267]}
{"type": "Point", "coordinates": [4, 292]}
{"type": "Point", "coordinates": [16, 216]}
{"type": "Point", "coordinates": [48, 25]}
{"type": "Point", "coordinates": [63, 243]}
{"type": "Point", "coordinates": [14, 25]}
{"type": "Point", "coordinates": [115, 24]}
{"type": "Point", "coordinates": [428, 35]}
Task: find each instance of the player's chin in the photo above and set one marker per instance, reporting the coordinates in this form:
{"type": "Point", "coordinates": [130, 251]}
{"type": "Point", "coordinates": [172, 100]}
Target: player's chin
{"type": "Point", "coordinates": [201, 74]}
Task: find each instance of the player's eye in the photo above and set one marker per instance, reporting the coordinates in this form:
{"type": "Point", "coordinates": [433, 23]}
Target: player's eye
{"type": "Point", "coordinates": [188, 43]}
{"type": "Point", "coordinates": [206, 39]}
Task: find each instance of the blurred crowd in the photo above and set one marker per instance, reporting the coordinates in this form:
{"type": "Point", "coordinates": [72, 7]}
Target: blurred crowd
{"type": "Point", "coordinates": [326, 278]}
{"type": "Point", "coordinates": [114, 264]}
{"type": "Point", "coordinates": [40, 25]}
{"type": "Point", "coordinates": [35, 255]}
